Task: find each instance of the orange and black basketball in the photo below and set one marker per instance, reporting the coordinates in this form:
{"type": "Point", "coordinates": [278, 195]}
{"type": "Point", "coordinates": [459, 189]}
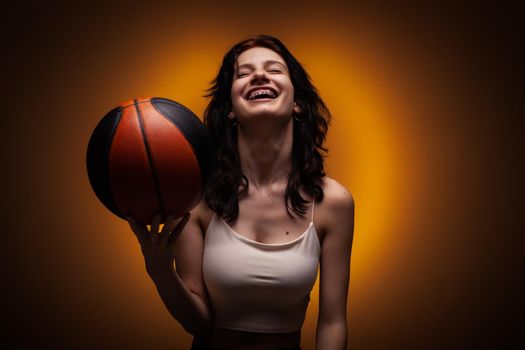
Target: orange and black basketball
{"type": "Point", "coordinates": [149, 155]}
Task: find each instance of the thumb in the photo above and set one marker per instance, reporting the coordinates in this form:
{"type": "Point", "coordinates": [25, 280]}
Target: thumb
{"type": "Point", "coordinates": [178, 229]}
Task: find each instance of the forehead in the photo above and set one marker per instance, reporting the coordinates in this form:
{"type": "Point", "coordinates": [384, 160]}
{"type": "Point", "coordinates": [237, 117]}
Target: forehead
{"type": "Point", "coordinates": [257, 55]}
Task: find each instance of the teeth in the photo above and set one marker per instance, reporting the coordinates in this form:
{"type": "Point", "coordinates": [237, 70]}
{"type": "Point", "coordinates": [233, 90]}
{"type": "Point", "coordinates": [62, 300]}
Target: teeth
{"type": "Point", "coordinates": [255, 93]}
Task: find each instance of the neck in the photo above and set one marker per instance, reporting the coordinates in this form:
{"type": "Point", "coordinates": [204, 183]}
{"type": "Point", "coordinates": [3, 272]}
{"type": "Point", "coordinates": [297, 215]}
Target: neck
{"type": "Point", "coordinates": [265, 151]}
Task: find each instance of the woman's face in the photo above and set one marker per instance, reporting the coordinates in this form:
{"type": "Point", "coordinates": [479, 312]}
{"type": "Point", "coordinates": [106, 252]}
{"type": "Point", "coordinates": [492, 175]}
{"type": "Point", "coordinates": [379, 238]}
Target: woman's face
{"type": "Point", "coordinates": [261, 85]}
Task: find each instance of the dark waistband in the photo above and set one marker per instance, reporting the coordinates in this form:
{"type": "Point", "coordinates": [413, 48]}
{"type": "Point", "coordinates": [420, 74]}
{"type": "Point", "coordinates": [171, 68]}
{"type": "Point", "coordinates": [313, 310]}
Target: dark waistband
{"type": "Point", "coordinates": [198, 344]}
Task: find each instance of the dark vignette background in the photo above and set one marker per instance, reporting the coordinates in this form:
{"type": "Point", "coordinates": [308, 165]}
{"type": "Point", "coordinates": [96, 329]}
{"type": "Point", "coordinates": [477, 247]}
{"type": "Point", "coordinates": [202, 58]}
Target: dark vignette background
{"type": "Point", "coordinates": [455, 286]}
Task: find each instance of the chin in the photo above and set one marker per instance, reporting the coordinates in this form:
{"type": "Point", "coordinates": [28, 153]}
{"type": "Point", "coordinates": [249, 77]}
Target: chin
{"type": "Point", "coordinates": [268, 112]}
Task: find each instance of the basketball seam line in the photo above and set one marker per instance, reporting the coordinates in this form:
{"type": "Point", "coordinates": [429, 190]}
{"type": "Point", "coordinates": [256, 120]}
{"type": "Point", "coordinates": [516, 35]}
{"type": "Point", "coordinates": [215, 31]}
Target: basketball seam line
{"type": "Point", "coordinates": [150, 159]}
{"type": "Point", "coordinates": [198, 153]}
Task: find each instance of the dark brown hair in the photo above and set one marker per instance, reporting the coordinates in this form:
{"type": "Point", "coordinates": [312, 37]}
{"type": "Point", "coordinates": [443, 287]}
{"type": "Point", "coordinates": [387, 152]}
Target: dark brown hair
{"type": "Point", "coordinates": [227, 182]}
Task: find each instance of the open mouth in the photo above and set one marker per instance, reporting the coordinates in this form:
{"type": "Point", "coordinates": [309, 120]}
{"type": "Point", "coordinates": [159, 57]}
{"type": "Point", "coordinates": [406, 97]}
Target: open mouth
{"type": "Point", "coordinates": [260, 94]}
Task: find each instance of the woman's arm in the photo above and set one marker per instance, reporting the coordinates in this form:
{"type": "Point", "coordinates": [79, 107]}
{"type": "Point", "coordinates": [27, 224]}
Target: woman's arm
{"type": "Point", "coordinates": [181, 289]}
{"type": "Point", "coordinates": [335, 268]}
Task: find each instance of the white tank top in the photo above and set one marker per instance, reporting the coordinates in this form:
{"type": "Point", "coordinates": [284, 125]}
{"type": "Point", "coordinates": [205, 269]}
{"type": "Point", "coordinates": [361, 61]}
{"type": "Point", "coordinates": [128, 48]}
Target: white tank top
{"type": "Point", "coordinates": [259, 287]}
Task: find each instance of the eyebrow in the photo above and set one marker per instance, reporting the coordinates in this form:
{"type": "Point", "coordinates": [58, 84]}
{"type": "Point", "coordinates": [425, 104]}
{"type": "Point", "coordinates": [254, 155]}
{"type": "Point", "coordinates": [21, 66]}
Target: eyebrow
{"type": "Point", "coordinates": [265, 64]}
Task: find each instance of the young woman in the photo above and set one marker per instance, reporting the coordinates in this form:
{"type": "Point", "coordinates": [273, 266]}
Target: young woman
{"type": "Point", "coordinates": [247, 256]}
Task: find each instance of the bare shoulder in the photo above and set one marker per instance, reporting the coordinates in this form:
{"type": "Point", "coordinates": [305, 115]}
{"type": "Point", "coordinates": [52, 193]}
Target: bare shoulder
{"type": "Point", "coordinates": [202, 214]}
{"type": "Point", "coordinates": [336, 209]}
{"type": "Point", "coordinates": [337, 196]}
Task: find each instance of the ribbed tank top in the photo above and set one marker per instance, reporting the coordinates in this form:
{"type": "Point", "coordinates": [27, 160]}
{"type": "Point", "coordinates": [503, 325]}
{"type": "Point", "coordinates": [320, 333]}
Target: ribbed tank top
{"type": "Point", "coordinates": [259, 287]}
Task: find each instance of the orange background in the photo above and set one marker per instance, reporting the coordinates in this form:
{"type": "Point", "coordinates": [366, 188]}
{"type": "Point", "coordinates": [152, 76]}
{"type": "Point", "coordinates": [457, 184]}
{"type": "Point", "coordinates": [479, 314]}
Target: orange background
{"type": "Point", "coordinates": [424, 134]}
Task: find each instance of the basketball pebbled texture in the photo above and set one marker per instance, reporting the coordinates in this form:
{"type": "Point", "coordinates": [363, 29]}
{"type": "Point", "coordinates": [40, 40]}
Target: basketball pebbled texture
{"type": "Point", "coordinates": [149, 155]}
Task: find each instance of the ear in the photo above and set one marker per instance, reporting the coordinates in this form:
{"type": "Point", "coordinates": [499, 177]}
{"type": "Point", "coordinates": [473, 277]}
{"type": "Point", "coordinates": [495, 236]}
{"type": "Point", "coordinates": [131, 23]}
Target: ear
{"type": "Point", "coordinates": [296, 108]}
{"type": "Point", "coordinates": [231, 115]}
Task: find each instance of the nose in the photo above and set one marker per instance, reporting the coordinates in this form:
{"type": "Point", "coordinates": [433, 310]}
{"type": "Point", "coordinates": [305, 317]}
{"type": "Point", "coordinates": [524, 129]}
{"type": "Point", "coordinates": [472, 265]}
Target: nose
{"type": "Point", "coordinates": [259, 76]}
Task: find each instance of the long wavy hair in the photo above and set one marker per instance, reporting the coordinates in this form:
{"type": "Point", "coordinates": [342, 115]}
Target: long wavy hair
{"type": "Point", "coordinates": [227, 183]}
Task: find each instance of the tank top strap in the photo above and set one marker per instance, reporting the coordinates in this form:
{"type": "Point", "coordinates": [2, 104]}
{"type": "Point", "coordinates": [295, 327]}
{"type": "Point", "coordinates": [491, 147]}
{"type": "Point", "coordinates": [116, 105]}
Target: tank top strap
{"type": "Point", "coordinates": [313, 208]}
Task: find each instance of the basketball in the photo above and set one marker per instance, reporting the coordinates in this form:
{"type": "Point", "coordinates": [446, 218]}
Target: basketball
{"type": "Point", "coordinates": [148, 156]}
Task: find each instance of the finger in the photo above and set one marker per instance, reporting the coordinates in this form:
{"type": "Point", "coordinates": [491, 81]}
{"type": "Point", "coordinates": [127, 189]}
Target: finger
{"type": "Point", "coordinates": [155, 223]}
{"type": "Point", "coordinates": [178, 229]}
{"type": "Point", "coordinates": [171, 221]}
{"type": "Point", "coordinates": [176, 224]}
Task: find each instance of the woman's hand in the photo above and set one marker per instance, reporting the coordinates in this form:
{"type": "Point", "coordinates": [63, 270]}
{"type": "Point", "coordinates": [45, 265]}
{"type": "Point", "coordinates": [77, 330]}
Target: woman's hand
{"type": "Point", "coordinates": [189, 308]}
{"type": "Point", "coordinates": [158, 247]}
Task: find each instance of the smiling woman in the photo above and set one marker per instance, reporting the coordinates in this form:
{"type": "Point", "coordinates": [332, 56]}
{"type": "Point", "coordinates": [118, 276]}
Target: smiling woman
{"type": "Point", "coordinates": [261, 86]}
{"type": "Point", "coordinates": [248, 256]}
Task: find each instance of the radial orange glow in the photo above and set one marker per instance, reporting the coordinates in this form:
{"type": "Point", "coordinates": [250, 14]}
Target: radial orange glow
{"type": "Point", "coordinates": [362, 156]}
{"type": "Point", "coordinates": [421, 136]}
